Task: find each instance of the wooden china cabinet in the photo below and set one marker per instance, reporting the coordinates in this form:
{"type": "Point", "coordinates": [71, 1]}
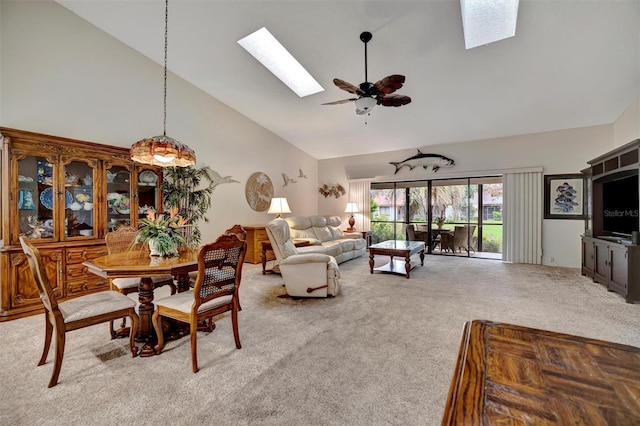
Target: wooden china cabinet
{"type": "Point", "coordinates": [64, 195]}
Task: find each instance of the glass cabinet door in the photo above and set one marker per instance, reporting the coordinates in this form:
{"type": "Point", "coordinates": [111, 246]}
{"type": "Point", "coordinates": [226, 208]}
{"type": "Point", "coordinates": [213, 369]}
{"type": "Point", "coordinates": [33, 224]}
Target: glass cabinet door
{"type": "Point", "coordinates": [79, 215]}
{"type": "Point", "coordinates": [36, 197]}
{"type": "Point", "coordinates": [118, 197]}
{"type": "Point", "coordinates": [148, 193]}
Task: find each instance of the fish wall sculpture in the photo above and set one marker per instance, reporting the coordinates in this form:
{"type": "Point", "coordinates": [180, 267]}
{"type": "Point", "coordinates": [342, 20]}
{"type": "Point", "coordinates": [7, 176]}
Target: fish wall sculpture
{"type": "Point", "coordinates": [435, 161]}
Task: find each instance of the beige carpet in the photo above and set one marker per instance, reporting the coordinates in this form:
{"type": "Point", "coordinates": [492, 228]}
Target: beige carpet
{"type": "Point", "coordinates": [381, 353]}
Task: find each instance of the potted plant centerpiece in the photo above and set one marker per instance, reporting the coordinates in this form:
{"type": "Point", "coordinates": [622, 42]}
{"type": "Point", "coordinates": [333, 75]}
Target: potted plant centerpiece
{"type": "Point", "coordinates": [439, 221]}
{"type": "Point", "coordinates": [163, 232]}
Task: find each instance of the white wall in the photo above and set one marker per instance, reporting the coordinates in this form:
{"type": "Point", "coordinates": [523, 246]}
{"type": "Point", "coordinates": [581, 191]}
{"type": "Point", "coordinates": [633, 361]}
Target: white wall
{"type": "Point", "coordinates": [627, 126]}
{"type": "Point", "coordinates": [60, 75]}
{"type": "Point", "coordinates": [559, 152]}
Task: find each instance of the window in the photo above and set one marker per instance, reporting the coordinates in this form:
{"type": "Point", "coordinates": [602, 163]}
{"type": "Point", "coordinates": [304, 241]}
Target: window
{"type": "Point", "coordinates": [437, 207]}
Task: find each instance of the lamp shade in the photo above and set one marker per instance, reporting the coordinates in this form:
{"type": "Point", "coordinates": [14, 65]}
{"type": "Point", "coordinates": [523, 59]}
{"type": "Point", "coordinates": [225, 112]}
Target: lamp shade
{"type": "Point", "coordinates": [162, 151]}
{"type": "Point", "coordinates": [351, 208]}
{"type": "Point", "coordinates": [278, 206]}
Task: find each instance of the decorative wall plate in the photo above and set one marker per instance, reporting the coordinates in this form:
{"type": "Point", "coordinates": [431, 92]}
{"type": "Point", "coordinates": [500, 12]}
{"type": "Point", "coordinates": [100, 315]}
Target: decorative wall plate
{"type": "Point", "coordinates": [259, 191]}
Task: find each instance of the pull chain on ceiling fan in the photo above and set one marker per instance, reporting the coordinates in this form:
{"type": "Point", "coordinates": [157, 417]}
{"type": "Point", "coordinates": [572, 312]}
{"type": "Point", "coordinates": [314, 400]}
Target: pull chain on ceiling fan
{"type": "Point", "coordinates": [372, 94]}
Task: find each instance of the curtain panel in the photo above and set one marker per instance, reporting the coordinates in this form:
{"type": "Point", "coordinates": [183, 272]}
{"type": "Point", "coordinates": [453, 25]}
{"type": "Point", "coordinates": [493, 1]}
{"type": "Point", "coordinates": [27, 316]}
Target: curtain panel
{"type": "Point", "coordinates": [522, 217]}
{"type": "Point", "coordinates": [360, 193]}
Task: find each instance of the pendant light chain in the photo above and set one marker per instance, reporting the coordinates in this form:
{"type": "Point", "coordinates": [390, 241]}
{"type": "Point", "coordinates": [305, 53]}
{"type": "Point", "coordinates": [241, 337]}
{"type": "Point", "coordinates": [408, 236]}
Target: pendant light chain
{"type": "Point", "coordinates": [166, 31]}
{"type": "Point", "coordinates": [163, 151]}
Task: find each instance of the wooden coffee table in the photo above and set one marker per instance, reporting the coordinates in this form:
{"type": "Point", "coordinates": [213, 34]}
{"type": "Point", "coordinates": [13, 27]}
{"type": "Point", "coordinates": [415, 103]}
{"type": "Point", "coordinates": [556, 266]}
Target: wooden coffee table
{"type": "Point", "coordinates": [508, 374]}
{"type": "Point", "coordinates": [396, 248]}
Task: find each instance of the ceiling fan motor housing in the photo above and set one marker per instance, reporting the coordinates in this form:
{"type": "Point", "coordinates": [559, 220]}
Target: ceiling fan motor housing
{"type": "Point", "coordinates": [368, 88]}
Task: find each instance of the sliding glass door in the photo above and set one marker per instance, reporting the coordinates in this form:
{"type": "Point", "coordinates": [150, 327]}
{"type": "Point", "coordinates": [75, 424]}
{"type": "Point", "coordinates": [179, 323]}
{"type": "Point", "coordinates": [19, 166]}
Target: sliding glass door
{"type": "Point", "coordinates": [456, 217]}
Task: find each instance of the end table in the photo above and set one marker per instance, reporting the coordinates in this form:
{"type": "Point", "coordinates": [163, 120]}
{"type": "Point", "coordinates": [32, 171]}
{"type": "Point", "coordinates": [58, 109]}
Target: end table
{"type": "Point", "coordinates": [365, 234]}
{"type": "Point", "coordinates": [266, 245]}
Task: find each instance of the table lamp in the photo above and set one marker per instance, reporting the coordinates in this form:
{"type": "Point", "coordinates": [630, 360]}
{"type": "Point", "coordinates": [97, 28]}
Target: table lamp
{"type": "Point", "coordinates": [351, 209]}
{"type": "Point", "coordinates": [279, 206]}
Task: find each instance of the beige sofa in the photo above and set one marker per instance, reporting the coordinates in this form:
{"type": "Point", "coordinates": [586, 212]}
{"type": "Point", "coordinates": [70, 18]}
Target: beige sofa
{"type": "Point", "coordinates": [325, 236]}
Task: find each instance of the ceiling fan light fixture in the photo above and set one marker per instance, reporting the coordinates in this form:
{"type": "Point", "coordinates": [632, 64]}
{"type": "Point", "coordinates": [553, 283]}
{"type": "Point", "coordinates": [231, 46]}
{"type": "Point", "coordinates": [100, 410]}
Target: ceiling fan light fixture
{"type": "Point", "coordinates": [488, 21]}
{"type": "Point", "coordinates": [365, 104]}
{"type": "Point", "coordinates": [371, 94]}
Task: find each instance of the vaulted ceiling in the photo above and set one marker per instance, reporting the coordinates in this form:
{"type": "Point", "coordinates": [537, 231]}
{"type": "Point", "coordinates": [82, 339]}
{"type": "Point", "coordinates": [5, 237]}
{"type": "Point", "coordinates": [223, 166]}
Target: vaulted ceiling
{"type": "Point", "coordinates": [572, 63]}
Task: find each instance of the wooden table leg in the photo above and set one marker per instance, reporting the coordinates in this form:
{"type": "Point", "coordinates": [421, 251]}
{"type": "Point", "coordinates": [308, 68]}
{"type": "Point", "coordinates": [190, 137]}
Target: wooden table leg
{"type": "Point", "coordinates": [422, 258]}
{"type": "Point", "coordinates": [145, 310]}
{"type": "Point", "coordinates": [407, 264]}
{"type": "Point", "coordinates": [183, 282]}
{"type": "Point", "coordinates": [370, 261]}
{"type": "Point", "coordinates": [264, 260]}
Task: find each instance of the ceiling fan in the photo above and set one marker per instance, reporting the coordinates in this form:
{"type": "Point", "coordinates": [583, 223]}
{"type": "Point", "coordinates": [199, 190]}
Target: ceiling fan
{"type": "Point", "coordinates": [372, 94]}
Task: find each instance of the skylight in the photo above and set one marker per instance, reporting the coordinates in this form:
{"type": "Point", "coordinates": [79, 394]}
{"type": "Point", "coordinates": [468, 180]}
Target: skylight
{"type": "Point", "coordinates": [269, 52]}
{"type": "Point", "coordinates": [487, 21]}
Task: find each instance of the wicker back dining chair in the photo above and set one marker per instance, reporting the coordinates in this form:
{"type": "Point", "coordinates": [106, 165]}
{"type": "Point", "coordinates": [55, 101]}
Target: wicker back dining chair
{"type": "Point", "coordinates": [119, 241]}
{"type": "Point", "coordinates": [235, 229]}
{"type": "Point", "coordinates": [238, 231]}
{"type": "Point", "coordinates": [215, 292]}
{"type": "Point", "coordinates": [460, 239]}
{"type": "Point", "coordinates": [75, 313]}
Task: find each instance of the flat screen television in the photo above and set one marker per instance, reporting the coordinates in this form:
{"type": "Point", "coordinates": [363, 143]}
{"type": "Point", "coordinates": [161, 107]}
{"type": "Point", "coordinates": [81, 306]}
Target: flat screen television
{"type": "Point", "coordinates": [620, 205]}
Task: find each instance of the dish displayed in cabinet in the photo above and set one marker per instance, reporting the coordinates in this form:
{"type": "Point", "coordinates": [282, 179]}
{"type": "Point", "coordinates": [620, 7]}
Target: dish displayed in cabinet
{"type": "Point", "coordinates": [46, 198]}
{"type": "Point", "coordinates": [121, 203]}
{"type": "Point", "coordinates": [148, 178]}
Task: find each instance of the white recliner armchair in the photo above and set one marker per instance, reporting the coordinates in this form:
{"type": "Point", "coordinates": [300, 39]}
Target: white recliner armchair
{"type": "Point", "coordinates": [304, 274]}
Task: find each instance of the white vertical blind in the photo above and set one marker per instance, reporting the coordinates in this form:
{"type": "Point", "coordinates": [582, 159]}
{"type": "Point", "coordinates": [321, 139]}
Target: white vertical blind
{"type": "Point", "coordinates": [522, 217]}
{"type": "Point", "coordinates": [359, 193]}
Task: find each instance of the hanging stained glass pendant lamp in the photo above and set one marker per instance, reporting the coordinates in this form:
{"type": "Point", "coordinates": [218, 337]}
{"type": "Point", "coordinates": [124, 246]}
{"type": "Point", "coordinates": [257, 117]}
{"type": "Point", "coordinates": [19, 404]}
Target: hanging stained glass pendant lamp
{"type": "Point", "coordinates": [163, 151]}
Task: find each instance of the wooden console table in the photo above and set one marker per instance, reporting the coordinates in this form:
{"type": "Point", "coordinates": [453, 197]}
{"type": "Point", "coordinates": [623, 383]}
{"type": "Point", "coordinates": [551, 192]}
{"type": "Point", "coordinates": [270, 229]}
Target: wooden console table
{"type": "Point", "coordinates": [255, 235]}
{"type": "Point", "coordinates": [507, 374]}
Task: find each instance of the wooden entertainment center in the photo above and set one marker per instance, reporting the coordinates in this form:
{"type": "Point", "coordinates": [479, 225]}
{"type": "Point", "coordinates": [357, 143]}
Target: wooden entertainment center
{"type": "Point", "coordinates": [610, 250]}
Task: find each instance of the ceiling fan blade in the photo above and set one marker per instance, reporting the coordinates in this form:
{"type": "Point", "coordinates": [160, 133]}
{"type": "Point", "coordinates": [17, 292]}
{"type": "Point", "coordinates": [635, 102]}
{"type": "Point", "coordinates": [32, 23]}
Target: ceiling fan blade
{"type": "Point", "coordinates": [393, 100]}
{"type": "Point", "coordinates": [347, 86]}
{"type": "Point", "coordinates": [389, 84]}
{"type": "Point", "coordinates": [344, 101]}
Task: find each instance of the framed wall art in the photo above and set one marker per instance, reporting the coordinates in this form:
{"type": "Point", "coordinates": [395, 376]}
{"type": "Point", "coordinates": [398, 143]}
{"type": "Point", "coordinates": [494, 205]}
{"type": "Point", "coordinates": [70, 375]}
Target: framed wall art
{"type": "Point", "coordinates": [564, 196]}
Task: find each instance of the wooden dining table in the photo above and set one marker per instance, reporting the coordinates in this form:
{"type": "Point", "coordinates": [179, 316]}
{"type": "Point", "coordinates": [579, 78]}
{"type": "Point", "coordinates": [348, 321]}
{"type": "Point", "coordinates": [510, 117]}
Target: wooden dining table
{"type": "Point", "coordinates": [139, 264]}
